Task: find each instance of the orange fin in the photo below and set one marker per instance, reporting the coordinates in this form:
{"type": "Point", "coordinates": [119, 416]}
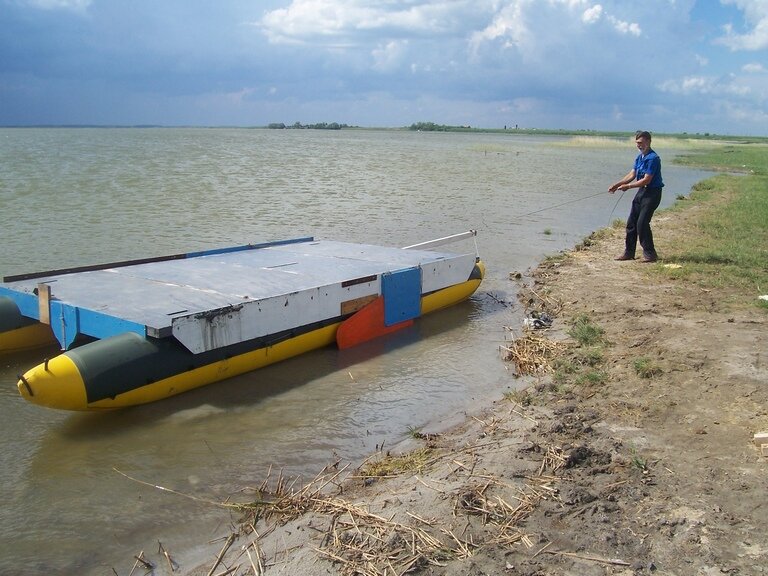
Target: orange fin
{"type": "Point", "coordinates": [366, 324]}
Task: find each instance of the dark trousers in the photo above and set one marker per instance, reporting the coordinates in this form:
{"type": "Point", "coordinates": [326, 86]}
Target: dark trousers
{"type": "Point", "coordinates": [639, 222]}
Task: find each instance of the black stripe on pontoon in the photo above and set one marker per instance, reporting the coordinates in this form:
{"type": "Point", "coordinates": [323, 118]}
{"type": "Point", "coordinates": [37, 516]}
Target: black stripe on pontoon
{"type": "Point", "coordinates": [128, 361]}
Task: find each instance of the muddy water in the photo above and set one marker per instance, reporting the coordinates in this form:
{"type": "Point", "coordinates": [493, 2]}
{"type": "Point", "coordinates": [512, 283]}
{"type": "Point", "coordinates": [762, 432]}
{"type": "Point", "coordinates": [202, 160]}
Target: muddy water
{"type": "Point", "coordinates": [82, 196]}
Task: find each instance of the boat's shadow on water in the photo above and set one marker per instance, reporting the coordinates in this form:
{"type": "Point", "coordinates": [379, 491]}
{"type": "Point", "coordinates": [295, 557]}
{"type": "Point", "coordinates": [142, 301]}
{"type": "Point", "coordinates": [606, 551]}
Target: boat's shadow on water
{"type": "Point", "coordinates": [248, 390]}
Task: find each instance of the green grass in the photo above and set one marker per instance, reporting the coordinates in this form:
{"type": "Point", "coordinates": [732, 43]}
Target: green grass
{"type": "Point", "coordinates": [521, 397]}
{"type": "Point", "coordinates": [639, 462]}
{"type": "Point", "coordinates": [581, 370]}
{"type": "Point", "coordinates": [646, 368]}
{"type": "Point", "coordinates": [564, 368]}
{"type": "Point", "coordinates": [728, 247]}
{"type": "Point", "coordinates": [393, 465]}
{"type": "Point", "coordinates": [746, 158]}
{"type": "Point", "coordinates": [590, 356]}
{"type": "Point", "coordinates": [585, 332]}
{"type": "Point", "coordinates": [593, 238]}
{"type": "Point", "coordinates": [414, 432]}
{"type": "Point", "coordinates": [592, 378]}
{"type": "Point", "coordinates": [556, 259]}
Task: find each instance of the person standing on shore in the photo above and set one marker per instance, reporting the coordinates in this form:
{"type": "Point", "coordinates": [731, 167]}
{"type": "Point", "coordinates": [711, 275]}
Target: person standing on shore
{"type": "Point", "coordinates": [646, 177]}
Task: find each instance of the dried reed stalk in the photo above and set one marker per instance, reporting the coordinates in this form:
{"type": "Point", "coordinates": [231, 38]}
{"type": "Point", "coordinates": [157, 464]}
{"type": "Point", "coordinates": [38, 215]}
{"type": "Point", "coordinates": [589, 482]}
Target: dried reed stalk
{"type": "Point", "coordinates": [532, 354]}
{"type": "Point", "coordinates": [364, 543]}
{"type": "Point", "coordinates": [539, 301]}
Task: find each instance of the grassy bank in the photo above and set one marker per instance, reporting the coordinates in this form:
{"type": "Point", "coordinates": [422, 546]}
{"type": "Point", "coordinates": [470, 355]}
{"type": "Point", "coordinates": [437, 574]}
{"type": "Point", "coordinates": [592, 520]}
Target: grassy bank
{"type": "Point", "coordinates": [725, 244]}
{"type": "Point", "coordinates": [748, 158]}
{"type": "Point", "coordinates": [725, 238]}
{"type": "Point", "coordinates": [728, 246]}
{"type": "Point", "coordinates": [715, 240]}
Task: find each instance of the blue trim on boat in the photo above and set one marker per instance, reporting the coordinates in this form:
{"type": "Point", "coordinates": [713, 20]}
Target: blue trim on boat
{"type": "Point", "coordinates": [27, 303]}
{"type": "Point", "coordinates": [68, 321]}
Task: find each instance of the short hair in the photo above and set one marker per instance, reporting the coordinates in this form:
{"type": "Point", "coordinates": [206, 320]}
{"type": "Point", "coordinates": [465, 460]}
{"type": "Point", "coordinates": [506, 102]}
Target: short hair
{"type": "Point", "coordinates": [643, 134]}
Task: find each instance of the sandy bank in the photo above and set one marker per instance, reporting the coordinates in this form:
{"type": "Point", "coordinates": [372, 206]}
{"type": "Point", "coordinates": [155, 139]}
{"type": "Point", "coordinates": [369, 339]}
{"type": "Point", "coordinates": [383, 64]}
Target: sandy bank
{"type": "Point", "coordinates": [640, 460]}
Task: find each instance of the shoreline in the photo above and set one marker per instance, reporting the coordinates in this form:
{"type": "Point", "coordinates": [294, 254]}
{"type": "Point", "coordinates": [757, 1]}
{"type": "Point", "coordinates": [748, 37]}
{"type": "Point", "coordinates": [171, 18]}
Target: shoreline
{"type": "Point", "coordinates": [639, 461]}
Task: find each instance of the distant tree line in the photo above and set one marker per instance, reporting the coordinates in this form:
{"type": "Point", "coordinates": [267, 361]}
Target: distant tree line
{"type": "Point", "coordinates": [300, 126]}
{"type": "Point", "coordinates": [432, 127]}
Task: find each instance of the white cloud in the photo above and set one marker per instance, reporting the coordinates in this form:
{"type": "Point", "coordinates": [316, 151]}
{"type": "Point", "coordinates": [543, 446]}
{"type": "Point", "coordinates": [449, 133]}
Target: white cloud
{"type": "Point", "coordinates": [327, 21]}
{"type": "Point", "coordinates": [753, 68]}
{"type": "Point", "coordinates": [389, 56]}
{"type": "Point", "coordinates": [595, 13]}
{"type": "Point", "coordinates": [726, 87]}
{"type": "Point", "coordinates": [519, 24]}
{"type": "Point", "coordinates": [743, 114]}
{"type": "Point", "coordinates": [624, 27]}
{"type": "Point", "coordinates": [689, 85]}
{"type": "Point", "coordinates": [509, 24]}
{"type": "Point", "coordinates": [756, 16]}
{"type": "Point", "coordinates": [592, 15]}
{"type": "Point", "coordinates": [539, 29]}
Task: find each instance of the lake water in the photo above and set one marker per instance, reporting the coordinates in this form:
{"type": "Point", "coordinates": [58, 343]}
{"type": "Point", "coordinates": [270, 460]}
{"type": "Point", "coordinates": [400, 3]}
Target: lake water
{"type": "Point", "coordinates": [81, 196]}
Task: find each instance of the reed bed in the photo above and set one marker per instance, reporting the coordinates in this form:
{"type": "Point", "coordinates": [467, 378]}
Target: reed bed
{"type": "Point", "coordinates": [371, 538]}
{"type": "Point", "coordinates": [360, 541]}
{"type": "Point", "coordinates": [540, 301]}
{"type": "Point", "coordinates": [532, 353]}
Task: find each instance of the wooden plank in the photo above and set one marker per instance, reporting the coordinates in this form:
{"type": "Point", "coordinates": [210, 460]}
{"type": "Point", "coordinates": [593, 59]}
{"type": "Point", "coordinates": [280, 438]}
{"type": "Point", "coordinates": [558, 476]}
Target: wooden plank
{"type": "Point", "coordinates": [44, 303]}
{"type": "Point", "coordinates": [351, 306]}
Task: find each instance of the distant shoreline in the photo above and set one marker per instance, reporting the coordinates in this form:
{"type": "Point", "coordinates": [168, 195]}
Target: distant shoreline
{"type": "Point", "coordinates": [417, 127]}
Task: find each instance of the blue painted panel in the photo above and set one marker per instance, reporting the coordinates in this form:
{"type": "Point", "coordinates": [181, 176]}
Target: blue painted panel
{"type": "Point", "coordinates": [27, 303]}
{"type": "Point", "coordinates": [103, 326]}
{"type": "Point", "coordinates": [402, 295]}
{"type": "Point", "coordinates": [69, 321]}
{"type": "Point", "coordinates": [64, 323]}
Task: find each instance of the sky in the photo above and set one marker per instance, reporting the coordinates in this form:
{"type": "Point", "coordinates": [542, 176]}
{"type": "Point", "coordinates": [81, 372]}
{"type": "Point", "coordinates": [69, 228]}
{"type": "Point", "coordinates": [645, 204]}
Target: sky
{"type": "Point", "coordinates": [659, 65]}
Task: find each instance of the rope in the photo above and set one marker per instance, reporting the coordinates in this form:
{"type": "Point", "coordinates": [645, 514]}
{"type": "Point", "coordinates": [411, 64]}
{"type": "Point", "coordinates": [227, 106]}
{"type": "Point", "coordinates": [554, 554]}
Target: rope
{"type": "Point", "coordinates": [614, 207]}
{"type": "Point", "coordinates": [486, 227]}
{"type": "Point", "coordinates": [559, 205]}
{"type": "Point", "coordinates": [477, 250]}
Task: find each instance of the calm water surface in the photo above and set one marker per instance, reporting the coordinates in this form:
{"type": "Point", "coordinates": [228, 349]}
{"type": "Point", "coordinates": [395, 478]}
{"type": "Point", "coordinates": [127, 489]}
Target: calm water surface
{"type": "Point", "coordinates": [84, 196]}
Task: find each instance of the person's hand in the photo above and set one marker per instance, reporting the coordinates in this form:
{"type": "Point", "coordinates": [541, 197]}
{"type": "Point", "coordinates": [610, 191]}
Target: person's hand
{"type": "Point", "coordinates": [613, 188]}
